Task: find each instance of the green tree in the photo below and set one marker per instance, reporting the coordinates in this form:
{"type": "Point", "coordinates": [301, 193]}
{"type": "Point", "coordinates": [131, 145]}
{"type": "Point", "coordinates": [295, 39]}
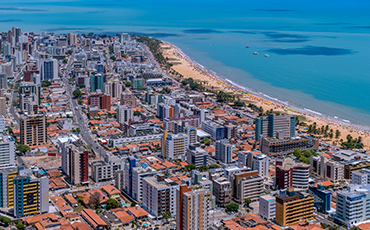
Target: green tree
{"type": "Point", "coordinates": [207, 141]}
{"type": "Point", "coordinates": [190, 167]}
{"type": "Point", "coordinates": [337, 134]}
{"type": "Point", "coordinates": [65, 60]}
{"type": "Point", "coordinates": [323, 225]}
{"type": "Point", "coordinates": [77, 93]}
{"type": "Point", "coordinates": [232, 207]}
{"type": "Point", "coordinates": [239, 104]}
{"type": "Point", "coordinates": [45, 83]}
{"type": "Point", "coordinates": [82, 86]}
{"type": "Point", "coordinates": [5, 220]}
{"type": "Point", "coordinates": [69, 52]}
{"type": "Point", "coordinates": [80, 101]}
{"type": "Point", "coordinates": [166, 216]}
{"type": "Point", "coordinates": [113, 58]}
{"type": "Point", "coordinates": [78, 130]}
{"type": "Point", "coordinates": [307, 153]}
{"type": "Point", "coordinates": [112, 203]}
{"type": "Point", "coordinates": [23, 148]}
{"type": "Point", "coordinates": [20, 226]}
{"type": "Point", "coordinates": [128, 84]}
{"type": "Point", "coordinates": [137, 113]}
{"type": "Point", "coordinates": [297, 153]}
{"type": "Point", "coordinates": [133, 204]}
{"type": "Point", "coordinates": [15, 102]}
{"type": "Point", "coordinates": [247, 202]}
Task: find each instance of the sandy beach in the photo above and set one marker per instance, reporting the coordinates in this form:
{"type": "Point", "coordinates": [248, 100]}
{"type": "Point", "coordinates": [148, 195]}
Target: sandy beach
{"type": "Point", "coordinates": [188, 68]}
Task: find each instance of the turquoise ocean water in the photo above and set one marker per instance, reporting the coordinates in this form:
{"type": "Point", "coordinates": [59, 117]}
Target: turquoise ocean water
{"type": "Point", "coordinates": [319, 50]}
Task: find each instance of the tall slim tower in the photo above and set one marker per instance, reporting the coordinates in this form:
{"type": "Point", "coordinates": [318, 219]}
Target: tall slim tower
{"type": "Point", "coordinates": [33, 130]}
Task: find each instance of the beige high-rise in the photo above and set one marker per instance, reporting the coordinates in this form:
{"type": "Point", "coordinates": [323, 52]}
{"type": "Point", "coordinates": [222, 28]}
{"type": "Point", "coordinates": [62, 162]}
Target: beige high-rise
{"type": "Point", "coordinates": [33, 130]}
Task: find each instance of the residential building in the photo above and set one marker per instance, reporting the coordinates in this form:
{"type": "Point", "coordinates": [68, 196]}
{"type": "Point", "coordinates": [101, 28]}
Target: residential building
{"type": "Point", "coordinates": [274, 146]}
{"type": "Point", "coordinates": [96, 82]}
{"type": "Point", "coordinates": [2, 123]}
{"type": "Point", "coordinates": [72, 39]}
{"type": "Point", "coordinates": [6, 151]}
{"type": "Point", "coordinates": [124, 37]}
{"type": "Point", "coordinates": [101, 171]}
{"type": "Point", "coordinates": [2, 106]}
{"type": "Point", "coordinates": [31, 194]}
{"type": "Point", "coordinates": [75, 163]}
{"type": "Point", "coordinates": [125, 114]}
{"type": "Point", "coordinates": [222, 191]}
{"type": "Point", "coordinates": [353, 205]}
{"type": "Point", "coordinates": [246, 158]}
{"type": "Point", "coordinates": [127, 98]}
{"type": "Point", "coordinates": [267, 207]}
{"type": "Point", "coordinates": [103, 101]}
{"type": "Point", "coordinates": [119, 179]}
{"type": "Point", "coordinates": [134, 176]}
{"type": "Point", "coordinates": [224, 151]}
{"type": "Point", "coordinates": [7, 175]}
{"type": "Point", "coordinates": [159, 195]}
{"type": "Point", "coordinates": [3, 81]}
{"type": "Point", "coordinates": [29, 89]}
{"type": "Point", "coordinates": [282, 126]}
{"type": "Point", "coordinates": [193, 206]}
{"type": "Point", "coordinates": [247, 185]}
{"type": "Point", "coordinates": [291, 174]}
{"type": "Point", "coordinates": [293, 207]}
{"type": "Point", "coordinates": [33, 130]}
{"type": "Point", "coordinates": [49, 69]}
{"type": "Point", "coordinates": [326, 168]}
{"type": "Point", "coordinates": [216, 130]}
{"type": "Point", "coordinates": [196, 155]}
{"type": "Point", "coordinates": [359, 178]}
{"type": "Point", "coordinates": [322, 198]}
{"type": "Point", "coordinates": [176, 145]}
{"type": "Point", "coordinates": [93, 219]}
{"type": "Point", "coordinates": [261, 164]}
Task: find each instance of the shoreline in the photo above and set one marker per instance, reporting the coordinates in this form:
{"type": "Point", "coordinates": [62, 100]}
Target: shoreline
{"type": "Point", "coordinates": [266, 101]}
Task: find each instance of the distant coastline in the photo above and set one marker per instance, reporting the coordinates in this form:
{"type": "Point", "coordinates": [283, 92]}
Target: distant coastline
{"type": "Point", "coordinates": [354, 127]}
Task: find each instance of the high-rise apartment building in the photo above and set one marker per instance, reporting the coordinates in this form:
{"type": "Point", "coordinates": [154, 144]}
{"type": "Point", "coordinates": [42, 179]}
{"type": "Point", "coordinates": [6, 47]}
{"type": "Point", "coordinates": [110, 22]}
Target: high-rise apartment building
{"type": "Point", "coordinates": [291, 174]}
{"type": "Point", "coordinates": [31, 194]}
{"type": "Point", "coordinates": [327, 168]}
{"type": "Point", "coordinates": [196, 155]}
{"type": "Point", "coordinates": [7, 175]}
{"type": "Point", "coordinates": [96, 82]}
{"type": "Point", "coordinates": [72, 39]}
{"type": "Point", "coordinates": [124, 114]}
{"type": "Point", "coordinates": [101, 171]}
{"type": "Point", "coordinates": [282, 126]}
{"type": "Point", "coordinates": [176, 145]}
{"type": "Point", "coordinates": [247, 185]}
{"type": "Point", "coordinates": [267, 207]}
{"type": "Point", "coordinates": [293, 207]}
{"type": "Point", "coordinates": [214, 129]}
{"type": "Point", "coordinates": [6, 151]}
{"type": "Point", "coordinates": [159, 195]}
{"type": "Point", "coordinates": [127, 98]}
{"type": "Point", "coordinates": [224, 151]}
{"type": "Point", "coordinates": [261, 164]}
{"type": "Point", "coordinates": [3, 81]}
{"type": "Point", "coordinates": [193, 206]}
{"type": "Point", "coordinates": [222, 191]}
{"type": "Point", "coordinates": [75, 162]}
{"type": "Point", "coordinates": [49, 69]}
{"type": "Point", "coordinates": [2, 106]}
{"type": "Point", "coordinates": [33, 130]}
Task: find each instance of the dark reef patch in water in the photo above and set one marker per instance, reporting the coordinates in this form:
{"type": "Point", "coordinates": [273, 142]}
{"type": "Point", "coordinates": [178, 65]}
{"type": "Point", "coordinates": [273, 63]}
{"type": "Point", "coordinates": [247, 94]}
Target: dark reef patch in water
{"type": "Point", "coordinates": [313, 51]}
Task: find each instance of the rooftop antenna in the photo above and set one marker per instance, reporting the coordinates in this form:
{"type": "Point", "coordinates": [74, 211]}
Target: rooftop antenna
{"type": "Point", "coordinates": [133, 32]}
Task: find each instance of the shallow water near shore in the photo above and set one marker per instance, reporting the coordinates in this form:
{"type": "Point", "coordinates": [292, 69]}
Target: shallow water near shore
{"type": "Point", "coordinates": [319, 51]}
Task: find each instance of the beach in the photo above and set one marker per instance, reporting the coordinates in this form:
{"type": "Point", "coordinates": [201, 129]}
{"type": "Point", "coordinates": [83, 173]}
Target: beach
{"type": "Point", "coordinates": [189, 68]}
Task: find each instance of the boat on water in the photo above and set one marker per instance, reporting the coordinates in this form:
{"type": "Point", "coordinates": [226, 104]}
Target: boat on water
{"type": "Point", "coordinates": [255, 53]}
{"type": "Point", "coordinates": [246, 46]}
{"type": "Point", "coordinates": [266, 55]}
